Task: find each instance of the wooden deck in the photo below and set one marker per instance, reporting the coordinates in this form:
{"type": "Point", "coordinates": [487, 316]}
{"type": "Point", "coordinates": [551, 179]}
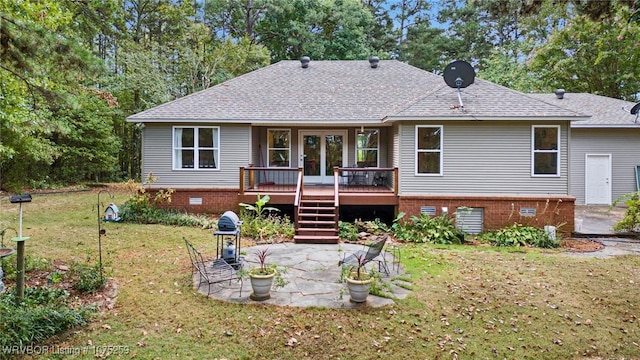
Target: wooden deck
{"type": "Point", "coordinates": [355, 186]}
{"type": "Point", "coordinates": [348, 195]}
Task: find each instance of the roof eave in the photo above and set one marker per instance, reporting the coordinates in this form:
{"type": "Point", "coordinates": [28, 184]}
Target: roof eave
{"type": "Point", "coordinates": [469, 117]}
{"type": "Point", "coordinates": [605, 126]}
{"type": "Point", "coordinates": [289, 122]}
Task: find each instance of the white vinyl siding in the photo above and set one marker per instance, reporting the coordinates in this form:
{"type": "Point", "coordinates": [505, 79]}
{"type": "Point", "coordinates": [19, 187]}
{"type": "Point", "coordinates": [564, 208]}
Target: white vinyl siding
{"type": "Point", "coordinates": [395, 146]}
{"type": "Point", "coordinates": [624, 147]}
{"type": "Point", "coordinates": [545, 151]}
{"type": "Point", "coordinates": [481, 157]}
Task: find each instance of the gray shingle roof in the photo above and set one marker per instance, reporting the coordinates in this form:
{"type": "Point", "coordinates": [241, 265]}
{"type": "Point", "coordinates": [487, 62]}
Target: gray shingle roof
{"type": "Point", "coordinates": [339, 92]}
{"type": "Point", "coordinates": [604, 111]}
{"type": "Point", "coordinates": [483, 100]}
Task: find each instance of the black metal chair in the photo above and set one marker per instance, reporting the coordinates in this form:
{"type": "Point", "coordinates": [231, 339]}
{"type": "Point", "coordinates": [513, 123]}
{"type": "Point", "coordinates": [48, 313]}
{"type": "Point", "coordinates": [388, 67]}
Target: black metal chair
{"type": "Point", "coordinates": [368, 254]}
{"type": "Point", "coordinates": [379, 178]}
{"type": "Point", "coordinates": [357, 177]}
{"type": "Point", "coordinates": [211, 272]}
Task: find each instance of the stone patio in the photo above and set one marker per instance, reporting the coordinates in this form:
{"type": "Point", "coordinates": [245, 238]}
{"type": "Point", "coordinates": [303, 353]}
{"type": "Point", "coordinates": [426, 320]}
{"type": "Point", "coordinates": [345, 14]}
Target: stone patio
{"type": "Point", "coordinates": [313, 277]}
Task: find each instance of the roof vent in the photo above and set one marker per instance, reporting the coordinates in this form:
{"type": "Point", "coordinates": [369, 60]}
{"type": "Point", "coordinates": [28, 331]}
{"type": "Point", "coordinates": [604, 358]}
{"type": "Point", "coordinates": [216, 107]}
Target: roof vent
{"type": "Point", "coordinates": [373, 61]}
{"type": "Point", "coordinates": [305, 61]}
{"type": "Point", "coordinates": [560, 94]}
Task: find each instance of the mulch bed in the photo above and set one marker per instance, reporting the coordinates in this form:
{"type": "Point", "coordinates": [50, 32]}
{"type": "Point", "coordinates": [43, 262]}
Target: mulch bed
{"type": "Point", "coordinates": [581, 245]}
{"type": "Point", "coordinates": [104, 299]}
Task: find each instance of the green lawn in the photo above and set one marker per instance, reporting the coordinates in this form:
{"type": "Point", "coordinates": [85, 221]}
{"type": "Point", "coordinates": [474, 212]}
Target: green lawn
{"type": "Point", "coordinates": [467, 302]}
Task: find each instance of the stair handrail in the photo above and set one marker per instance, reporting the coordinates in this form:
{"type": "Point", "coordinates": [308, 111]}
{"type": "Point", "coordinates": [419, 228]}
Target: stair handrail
{"type": "Point", "coordinates": [336, 187]}
{"type": "Point", "coordinates": [336, 195]}
{"type": "Point", "coordinates": [296, 201]}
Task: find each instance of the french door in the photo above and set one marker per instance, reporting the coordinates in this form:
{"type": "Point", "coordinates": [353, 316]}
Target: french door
{"type": "Point", "coordinates": [320, 151]}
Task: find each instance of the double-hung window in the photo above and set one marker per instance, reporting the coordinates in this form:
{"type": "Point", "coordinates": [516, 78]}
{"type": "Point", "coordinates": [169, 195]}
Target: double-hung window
{"type": "Point", "coordinates": [279, 147]}
{"type": "Point", "coordinates": [428, 150]}
{"type": "Point", "coordinates": [545, 150]}
{"type": "Point", "coordinates": [367, 147]}
{"type": "Point", "coordinates": [196, 147]}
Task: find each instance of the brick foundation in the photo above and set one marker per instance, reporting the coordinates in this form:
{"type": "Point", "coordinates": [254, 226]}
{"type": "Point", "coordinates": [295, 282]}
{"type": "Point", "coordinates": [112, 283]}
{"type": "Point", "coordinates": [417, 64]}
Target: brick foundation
{"type": "Point", "coordinates": [214, 201]}
{"type": "Point", "coordinates": [501, 211]}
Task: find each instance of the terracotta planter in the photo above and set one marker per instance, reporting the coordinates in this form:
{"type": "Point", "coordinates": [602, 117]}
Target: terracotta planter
{"type": "Point", "coordinates": [358, 289]}
{"type": "Point", "coordinates": [261, 285]}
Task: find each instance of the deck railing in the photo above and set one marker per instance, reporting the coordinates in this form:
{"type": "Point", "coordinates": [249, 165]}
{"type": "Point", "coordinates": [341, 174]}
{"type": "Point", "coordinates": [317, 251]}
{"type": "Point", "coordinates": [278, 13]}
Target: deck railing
{"type": "Point", "coordinates": [296, 200]}
{"type": "Point", "coordinates": [346, 179]}
{"type": "Point", "coordinates": [269, 179]}
{"type": "Point", "coordinates": [367, 179]}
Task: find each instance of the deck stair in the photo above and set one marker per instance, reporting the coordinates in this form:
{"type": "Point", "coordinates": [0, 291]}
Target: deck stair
{"type": "Point", "coordinates": [317, 220]}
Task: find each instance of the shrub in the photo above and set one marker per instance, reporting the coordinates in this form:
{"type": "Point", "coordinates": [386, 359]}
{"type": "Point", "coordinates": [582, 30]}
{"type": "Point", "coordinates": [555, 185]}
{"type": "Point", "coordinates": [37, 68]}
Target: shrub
{"type": "Point", "coordinates": [43, 313]}
{"type": "Point", "coordinates": [268, 227]}
{"type": "Point", "coordinates": [260, 222]}
{"type": "Point", "coordinates": [375, 226]}
{"type": "Point", "coordinates": [631, 219]}
{"type": "Point", "coordinates": [142, 209]}
{"type": "Point", "coordinates": [423, 228]}
{"type": "Point", "coordinates": [520, 235]}
{"type": "Point", "coordinates": [347, 231]}
{"type": "Point", "coordinates": [30, 263]}
{"type": "Point", "coordinates": [88, 278]}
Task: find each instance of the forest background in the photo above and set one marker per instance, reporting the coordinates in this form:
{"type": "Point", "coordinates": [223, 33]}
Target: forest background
{"type": "Point", "coordinates": [71, 71]}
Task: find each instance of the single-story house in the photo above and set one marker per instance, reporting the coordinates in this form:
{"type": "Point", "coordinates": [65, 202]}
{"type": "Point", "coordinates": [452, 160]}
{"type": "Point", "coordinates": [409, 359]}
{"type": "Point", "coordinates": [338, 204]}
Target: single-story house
{"type": "Point", "coordinates": [329, 137]}
{"type": "Point", "coordinates": [604, 151]}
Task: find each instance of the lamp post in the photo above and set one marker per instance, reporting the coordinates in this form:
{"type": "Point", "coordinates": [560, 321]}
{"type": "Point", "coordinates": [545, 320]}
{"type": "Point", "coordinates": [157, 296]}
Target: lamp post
{"type": "Point", "coordinates": [23, 198]}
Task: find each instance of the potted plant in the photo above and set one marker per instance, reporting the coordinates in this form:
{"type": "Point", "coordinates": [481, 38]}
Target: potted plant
{"type": "Point", "coordinates": [358, 280]}
{"type": "Point", "coordinates": [264, 277]}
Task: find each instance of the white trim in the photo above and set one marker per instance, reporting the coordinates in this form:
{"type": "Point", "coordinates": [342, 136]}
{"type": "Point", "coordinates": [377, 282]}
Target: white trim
{"type": "Point", "coordinates": [323, 149]}
{"type": "Point", "coordinates": [196, 166]}
{"type": "Point", "coordinates": [268, 162]}
{"type": "Point", "coordinates": [377, 148]}
{"type": "Point", "coordinates": [415, 150]}
{"type": "Point", "coordinates": [534, 151]}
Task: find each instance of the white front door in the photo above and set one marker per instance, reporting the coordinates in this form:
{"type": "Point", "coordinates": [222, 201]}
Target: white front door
{"type": "Point", "coordinates": [597, 179]}
{"type": "Point", "coordinates": [320, 151]}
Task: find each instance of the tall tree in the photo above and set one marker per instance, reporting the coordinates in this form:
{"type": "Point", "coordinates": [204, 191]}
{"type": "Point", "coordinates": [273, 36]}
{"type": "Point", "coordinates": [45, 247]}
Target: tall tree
{"type": "Point", "coordinates": [381, 35]}
{"type": "Point", "coordinates": [234, 19]}
{"type": "Point", "coordinates": [163, 53]}
{"type": "Point", "coordinates": [407, 14]}
{"type": "Point", "coordinates": [321, 29]}
{"type": "Point", "coordinates": [429, 48]}
{"type": "Point", "coordinates": [37, 39]}
{"type": "Point", "coordinates": [607, 64]}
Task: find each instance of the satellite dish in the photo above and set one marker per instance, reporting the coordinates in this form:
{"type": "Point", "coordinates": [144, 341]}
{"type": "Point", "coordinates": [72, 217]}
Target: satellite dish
{"type": "Point", "coordinates": [459, 74]}
{"type": "Point", "coordinates": [635, 110]}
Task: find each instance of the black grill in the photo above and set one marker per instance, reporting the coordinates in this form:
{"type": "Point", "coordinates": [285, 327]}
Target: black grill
{"type": "Point", "coordinates": [229, 221]}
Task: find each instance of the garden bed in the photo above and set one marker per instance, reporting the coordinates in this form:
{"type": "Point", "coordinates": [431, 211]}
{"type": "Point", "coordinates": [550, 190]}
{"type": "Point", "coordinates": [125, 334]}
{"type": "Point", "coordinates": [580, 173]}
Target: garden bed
{"type": "Point", "coordinates": [581, 245]}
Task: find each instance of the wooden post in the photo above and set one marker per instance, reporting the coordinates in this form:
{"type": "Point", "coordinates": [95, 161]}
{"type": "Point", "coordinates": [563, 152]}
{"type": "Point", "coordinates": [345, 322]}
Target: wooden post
{"type": "Point", "coordinates": [395, 181]}
{"type": "Point", "coordinates": [252, 177]}
{"type": "Point", "coordinates": [241, 180]}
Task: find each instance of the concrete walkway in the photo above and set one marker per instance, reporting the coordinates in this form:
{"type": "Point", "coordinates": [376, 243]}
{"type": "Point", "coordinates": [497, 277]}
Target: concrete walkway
{"type": "Point", "coordinates": [596, 223]}
{"type": "Point", "coordinates": [313, 277]}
